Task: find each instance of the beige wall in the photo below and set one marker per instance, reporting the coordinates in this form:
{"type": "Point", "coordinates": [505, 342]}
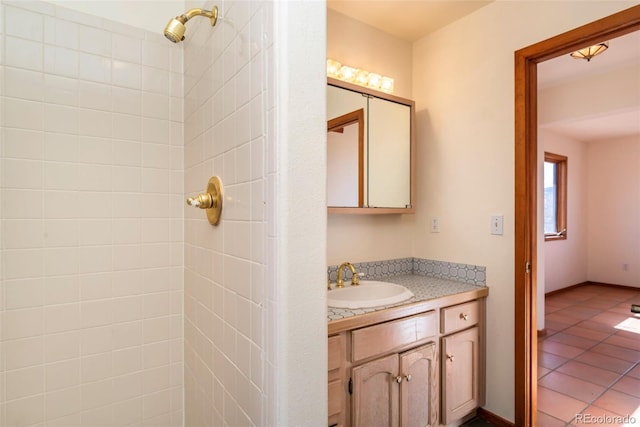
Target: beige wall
{"type": "Point", "coordinates": [463, 87]}
{"type": "Point", "coordinates": [614, 211]}
{"type": "Point", "coordinates": [565, 261]}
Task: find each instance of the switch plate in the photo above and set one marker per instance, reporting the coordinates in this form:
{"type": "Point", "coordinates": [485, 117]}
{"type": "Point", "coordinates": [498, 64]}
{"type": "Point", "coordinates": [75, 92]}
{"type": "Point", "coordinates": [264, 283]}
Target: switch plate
{"type": "Point", "coordinates": [497, 222]}
{"type": "Point", "coordinates": [435, 224]}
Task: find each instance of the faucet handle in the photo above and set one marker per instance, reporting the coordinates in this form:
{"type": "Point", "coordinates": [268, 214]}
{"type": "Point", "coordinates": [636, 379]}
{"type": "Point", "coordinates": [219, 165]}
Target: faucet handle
{"type": "Point", "coordinates": [355, 279]}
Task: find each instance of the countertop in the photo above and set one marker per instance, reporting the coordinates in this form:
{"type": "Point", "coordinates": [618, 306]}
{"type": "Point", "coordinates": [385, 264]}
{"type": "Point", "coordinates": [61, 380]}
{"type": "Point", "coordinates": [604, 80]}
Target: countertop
{"type": "Point", "coordinates": [427, 291]}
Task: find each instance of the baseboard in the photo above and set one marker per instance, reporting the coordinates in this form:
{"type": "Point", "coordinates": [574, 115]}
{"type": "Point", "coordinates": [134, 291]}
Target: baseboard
{"type": "Point", "coordinates": [542, 332]}
{"type": "Point", "coordinates": [579, 285]}
{"type": "Point", "coordinates": [494, 419]}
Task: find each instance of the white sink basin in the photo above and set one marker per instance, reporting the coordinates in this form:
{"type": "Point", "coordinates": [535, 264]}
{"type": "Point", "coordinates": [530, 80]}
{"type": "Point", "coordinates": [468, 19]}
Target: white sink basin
{"type": "Point", "coordinates": [369, 293]}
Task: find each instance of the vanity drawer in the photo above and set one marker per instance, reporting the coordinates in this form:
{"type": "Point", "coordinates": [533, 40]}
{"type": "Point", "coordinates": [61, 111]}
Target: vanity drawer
{"type": "Point", "coordinates": [385, 337]}
{"type": "Point", "coordinates": [459, 317]}
{"type": "Point", "coordinates": [336, 352]}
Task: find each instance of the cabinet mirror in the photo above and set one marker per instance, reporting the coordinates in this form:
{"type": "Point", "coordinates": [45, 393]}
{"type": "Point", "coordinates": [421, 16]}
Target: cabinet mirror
{"type": "Point", "coordinates": [370, 151]}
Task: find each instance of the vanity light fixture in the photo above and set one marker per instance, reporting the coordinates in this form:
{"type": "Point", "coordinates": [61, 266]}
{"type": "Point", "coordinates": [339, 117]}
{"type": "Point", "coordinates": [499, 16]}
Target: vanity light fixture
{"type": "Point", "coordinates": [358, 76]}
{"type": "Point", "coordinates": [591, 51]}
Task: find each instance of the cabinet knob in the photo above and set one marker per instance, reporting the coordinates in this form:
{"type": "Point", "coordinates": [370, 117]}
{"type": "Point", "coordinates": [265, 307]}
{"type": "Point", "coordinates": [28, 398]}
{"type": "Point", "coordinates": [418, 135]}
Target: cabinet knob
{"type": "Point", "coordinates": [407, 377]}
{"type": "Point", "coordinates": [398, 379]}
{"type": "Point", "coordinates": [464, 316]}
{"type": "Point", "coordinates": [450, 357]}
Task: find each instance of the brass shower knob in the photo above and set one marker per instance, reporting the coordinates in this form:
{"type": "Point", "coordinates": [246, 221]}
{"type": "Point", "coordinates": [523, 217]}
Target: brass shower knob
{"type": "Point", "coordinates": [211, 200]}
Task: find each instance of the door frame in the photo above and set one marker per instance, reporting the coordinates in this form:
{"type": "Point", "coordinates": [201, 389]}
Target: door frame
{"type": "Point", "coordinates": [526, 174]}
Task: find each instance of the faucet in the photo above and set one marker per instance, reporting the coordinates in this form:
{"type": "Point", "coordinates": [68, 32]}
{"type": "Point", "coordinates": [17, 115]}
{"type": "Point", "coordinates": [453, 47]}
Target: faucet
{"type": "Point", "coordinates": [355, 278]}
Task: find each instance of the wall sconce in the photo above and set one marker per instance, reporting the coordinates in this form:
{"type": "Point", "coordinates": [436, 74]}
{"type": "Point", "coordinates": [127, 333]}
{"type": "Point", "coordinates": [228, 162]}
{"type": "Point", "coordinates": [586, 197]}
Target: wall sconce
{"type": "Point", "coordinates": [358, 76]}
{"type": "Point", "coordinates": [591, 51]}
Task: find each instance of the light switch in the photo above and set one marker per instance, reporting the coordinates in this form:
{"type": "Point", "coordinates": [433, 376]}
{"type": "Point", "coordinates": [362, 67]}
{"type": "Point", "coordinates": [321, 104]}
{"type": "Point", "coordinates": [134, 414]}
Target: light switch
{"type": "Point", "coordinates": [497, 224]}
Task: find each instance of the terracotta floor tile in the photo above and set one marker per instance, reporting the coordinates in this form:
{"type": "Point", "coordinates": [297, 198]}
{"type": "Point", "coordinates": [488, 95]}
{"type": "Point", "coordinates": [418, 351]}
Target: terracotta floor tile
{"type": "Point", "coordinates": [617, 352]}
{"type": "Point", "coordinates": [635, 372]}
{"type": "Point", "coordinates": [551, 361]}
{"type": "Point", "coordinates": [571, 386]}
{"type": "Point", "coordinates": [618, 402]}
{"type": "Point", "coordinates": [591, 334]}
{"type": "Point", "coordinates": [607, 362]}
{"type": "Point", "coordinates": [599, 303]}
{"type": "Point", "coordinates": [560, 349]}
{"type": "Point", "coordinates": [573, 340]}
{"type": "Point", "coordinates": [628, 385]}
{"type": "Point", "coordinates": [624, 342]}
{"type": "Point", "coordinates": [558, 405]}
{"type": "Point", "coordinates": [545, 420]}
{"type": "Point", "coordinates": [542, 371]}
{"type": "Point", "coordinates": [589, 373]}
{"type": "Point", "coordinates": [561, 317]}
{"type": "Point", "coordinates": [609, 318]}
{"type": "Point", "coordinates": [554, 325]}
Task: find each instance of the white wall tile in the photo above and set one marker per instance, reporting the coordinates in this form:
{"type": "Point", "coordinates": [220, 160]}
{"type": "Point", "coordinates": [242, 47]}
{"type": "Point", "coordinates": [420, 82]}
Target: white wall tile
{"type": "Point", "coordinates": [89, 163]}
{"type": "Point", "coordinates": [23, 353]}
{"type": "Point", "coordinates": [62, 61]}
{"type": "Point", "coordinates": [127, 74]}
{"type": "Point", "coordinates": [126, 48]}
{"type": "Point", "coordinates": [63, 402]}
{"type": "Point", "coordinates": [24, 84]}
{"type": "Point", "coordinates": [24, 24]}
{"type": "Point", "coordinates": [94, 40]}
{"type": "Point", "coordinates": [22, 53]}
{"type": "Point", "coordinates": [62, 375]}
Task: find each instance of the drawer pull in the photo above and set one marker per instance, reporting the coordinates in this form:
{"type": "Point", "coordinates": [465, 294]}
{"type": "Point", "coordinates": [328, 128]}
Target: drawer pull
{"type": "Point", "coordinates": [450, 357]}
{"type": "Point", "coordinates": [464, 316]}
{"type": "Point", "coordinates": [398, 379]}
{"type": "Point", "coordinates": [407, 377]}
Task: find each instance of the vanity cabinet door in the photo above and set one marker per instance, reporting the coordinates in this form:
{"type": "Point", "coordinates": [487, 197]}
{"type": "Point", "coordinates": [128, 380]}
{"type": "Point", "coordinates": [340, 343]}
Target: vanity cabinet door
{"type": "Point", "coordinates": [375, 393]}
{"type": "Point", "coordinates": [419, 388]}
{"type": "Point", "coordinates": [460, 356]}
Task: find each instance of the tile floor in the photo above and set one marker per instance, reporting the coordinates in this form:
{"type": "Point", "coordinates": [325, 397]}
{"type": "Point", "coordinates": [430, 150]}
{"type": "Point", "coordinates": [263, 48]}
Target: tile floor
{"type": "Point", "coordinates": [589, 360]}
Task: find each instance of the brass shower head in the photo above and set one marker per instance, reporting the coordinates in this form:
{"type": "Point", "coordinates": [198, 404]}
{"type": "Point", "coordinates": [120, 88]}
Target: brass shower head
{"type": "Point", "coordinates": [174, 30]}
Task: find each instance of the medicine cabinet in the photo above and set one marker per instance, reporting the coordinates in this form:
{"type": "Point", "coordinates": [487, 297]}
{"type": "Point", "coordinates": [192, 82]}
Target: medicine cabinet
{"type": "Point", "coordinates": [370, 151]}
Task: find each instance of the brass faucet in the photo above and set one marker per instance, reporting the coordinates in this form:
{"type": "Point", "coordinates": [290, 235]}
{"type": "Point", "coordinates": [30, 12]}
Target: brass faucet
{"type": "Point", "coordinates": [355, 278]}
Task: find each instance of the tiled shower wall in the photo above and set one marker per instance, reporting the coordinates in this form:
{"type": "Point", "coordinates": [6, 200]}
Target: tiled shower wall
{"type": "Point", "coordinates": [92, 221]}
{"type": "Point", "coordinates": [229, 112]}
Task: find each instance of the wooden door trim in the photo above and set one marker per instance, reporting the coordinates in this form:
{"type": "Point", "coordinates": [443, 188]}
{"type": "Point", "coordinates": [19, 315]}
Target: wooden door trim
{"type": "Point", "coordinates": [526, 61]}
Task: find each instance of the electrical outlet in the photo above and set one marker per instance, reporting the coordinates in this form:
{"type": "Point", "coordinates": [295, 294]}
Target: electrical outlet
{"type": "Point", "coordinates": [435, 224]}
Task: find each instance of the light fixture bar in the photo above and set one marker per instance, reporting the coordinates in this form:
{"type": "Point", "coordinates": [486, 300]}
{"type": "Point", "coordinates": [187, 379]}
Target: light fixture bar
{"type": "Point", "coordinates": [359, 76]}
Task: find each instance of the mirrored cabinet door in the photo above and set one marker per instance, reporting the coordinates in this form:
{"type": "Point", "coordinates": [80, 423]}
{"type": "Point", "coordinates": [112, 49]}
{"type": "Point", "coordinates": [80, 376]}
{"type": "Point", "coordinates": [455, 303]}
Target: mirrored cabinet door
{"type": "Point", "coordinates": [370, 151]}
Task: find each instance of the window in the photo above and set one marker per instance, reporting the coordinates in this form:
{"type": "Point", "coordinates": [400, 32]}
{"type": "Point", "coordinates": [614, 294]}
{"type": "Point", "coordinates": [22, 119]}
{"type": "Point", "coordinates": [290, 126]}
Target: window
{"type": "Point", "coordinates": [555, 197]}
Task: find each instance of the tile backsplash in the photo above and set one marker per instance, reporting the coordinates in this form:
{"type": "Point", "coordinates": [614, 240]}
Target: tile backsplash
{"type": "Point", "coordinates": [467, 273]}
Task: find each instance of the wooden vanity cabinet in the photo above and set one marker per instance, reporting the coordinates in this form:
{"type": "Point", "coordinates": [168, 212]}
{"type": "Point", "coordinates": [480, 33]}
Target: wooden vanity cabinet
{"type": "Point", "coordinates": [421, 370]}
{"type": "Point", "coordinates": [462, 391]}
{"type": "Point", "coordinates": [397, 390]}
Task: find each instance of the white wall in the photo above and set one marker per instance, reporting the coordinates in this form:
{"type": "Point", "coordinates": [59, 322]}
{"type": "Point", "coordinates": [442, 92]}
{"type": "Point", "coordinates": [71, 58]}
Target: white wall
{"type": "Point", "coordinates": [565, 261]}
{"type": "Point", "coordinates": [464, 97]}
{"type": "Point", "coordinates": [614, 211]}
{"type": "Point", "coordinates": [357, 238]}
{"type": "Point", "coordinates": [92, 241]}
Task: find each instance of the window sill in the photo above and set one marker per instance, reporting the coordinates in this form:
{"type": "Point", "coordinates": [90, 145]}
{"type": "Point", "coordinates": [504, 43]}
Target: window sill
{"type": "Point", "coordinates": [552, 237]}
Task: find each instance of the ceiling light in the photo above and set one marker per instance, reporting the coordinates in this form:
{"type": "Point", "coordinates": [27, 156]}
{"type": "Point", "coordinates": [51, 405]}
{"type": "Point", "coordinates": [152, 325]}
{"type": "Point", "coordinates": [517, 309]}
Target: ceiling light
{"type": "Point", "coordinates": [358, 76]}
{"type": "Point", "coordinates": [591, 51]}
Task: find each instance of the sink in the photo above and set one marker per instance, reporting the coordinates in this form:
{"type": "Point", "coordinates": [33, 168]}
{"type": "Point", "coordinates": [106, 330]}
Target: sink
{"type": "Point", "coordinates": [369, 293]}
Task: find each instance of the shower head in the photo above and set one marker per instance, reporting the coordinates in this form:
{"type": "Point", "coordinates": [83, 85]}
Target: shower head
{"type": "Point", "coordinates": [174, 30]}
